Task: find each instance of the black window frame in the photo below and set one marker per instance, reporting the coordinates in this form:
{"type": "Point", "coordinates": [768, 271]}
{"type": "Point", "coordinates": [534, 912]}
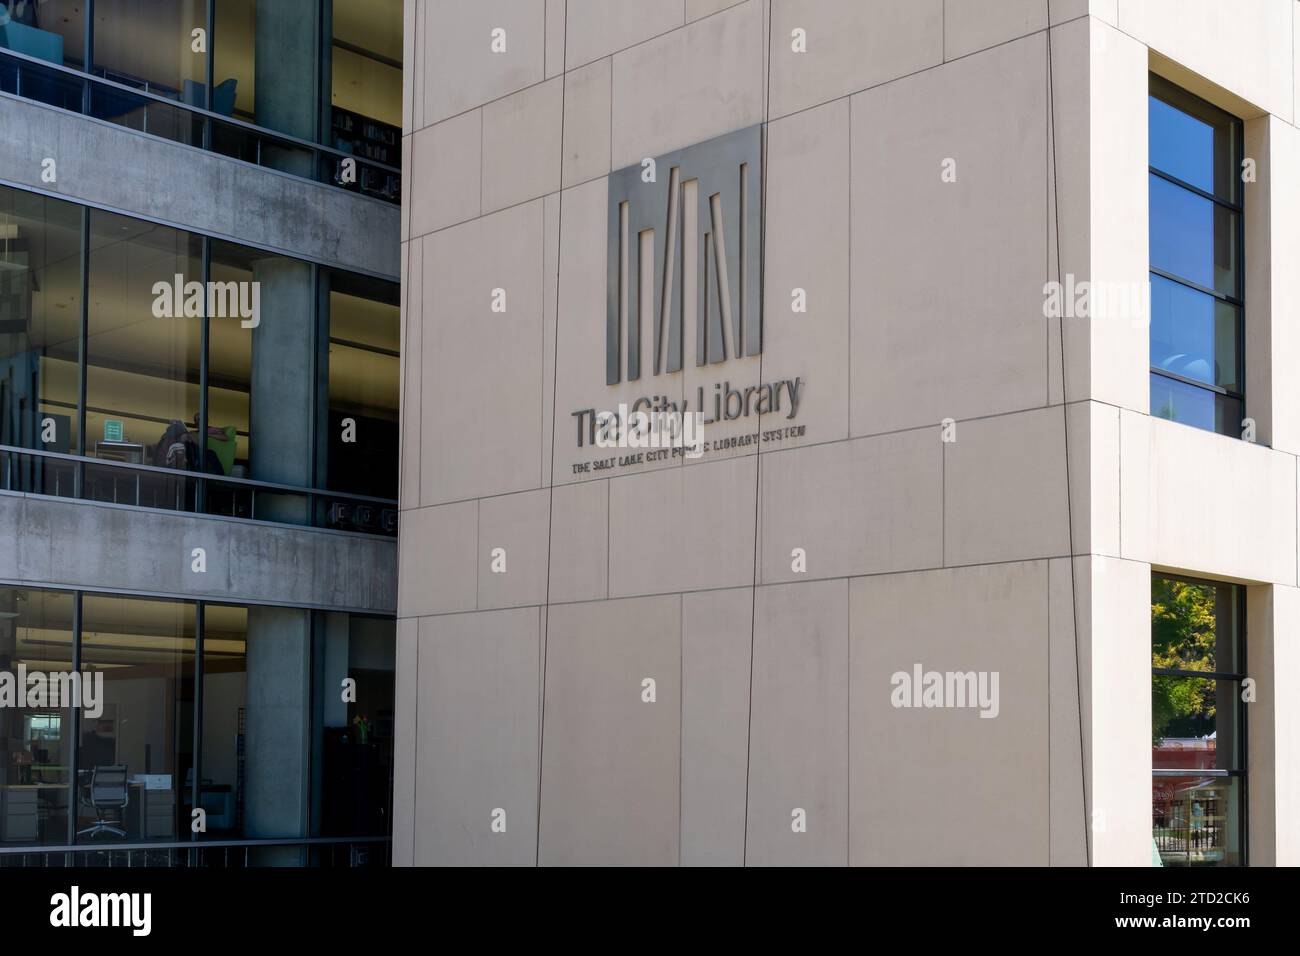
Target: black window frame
{"type": "Point", "coordinates": [1242, 712]}
{"type": "Point", "coordinates": [1175, 96]}
{"type": "Point", "coordinates": [333, 509]}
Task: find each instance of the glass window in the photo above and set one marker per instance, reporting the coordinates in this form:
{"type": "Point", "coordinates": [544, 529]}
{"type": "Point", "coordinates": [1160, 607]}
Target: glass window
{"type": "Point", "coordinates": [35, 730]}
{"type": "Point", "coordinates": [360, 451]}
{"type": "Point", "coordinates": [365, 70]}
{"type": "Point", "coordinates": [52, 30]}
{"type": "Point", "coordinates": [1193, 141]}
{"type": "Point", "coordinates": [302, 372]}
{"type": "Point", "coordinates": [352, 734]}
{"type": "Point", "coordinates": [1196, 248]}
{"type": "Point", "coordinates": [133, 759]}
{"type": "Point", "coordinates": [1197, 716]}
{"type": "Point", "coordinates": [1193, 238]}
{"type": "Point", "coordinates": [1193, 334]}
{"type": "Point", "coordinates": [40, 332]}
{"type": "Point", "coordinates": [144, 331]}
{"type": "Point", "coordinates": [286, 749]}
{"type": "Point", "coordinates": [225, 698]}
{"type": "Point", "coordinates": [150, 44]}
{"type": "Point", "coordinates": [1199, 407]}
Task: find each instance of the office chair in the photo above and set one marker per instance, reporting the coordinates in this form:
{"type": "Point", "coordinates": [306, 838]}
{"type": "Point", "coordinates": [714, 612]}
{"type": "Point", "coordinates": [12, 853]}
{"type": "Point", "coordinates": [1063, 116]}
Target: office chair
{"type": "Point", "coordinates": [107, 791]}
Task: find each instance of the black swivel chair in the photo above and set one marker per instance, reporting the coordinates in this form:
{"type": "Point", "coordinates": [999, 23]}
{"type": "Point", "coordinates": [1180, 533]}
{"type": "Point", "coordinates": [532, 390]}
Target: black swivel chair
{"type": "Point", "coordinates": [107, 791]}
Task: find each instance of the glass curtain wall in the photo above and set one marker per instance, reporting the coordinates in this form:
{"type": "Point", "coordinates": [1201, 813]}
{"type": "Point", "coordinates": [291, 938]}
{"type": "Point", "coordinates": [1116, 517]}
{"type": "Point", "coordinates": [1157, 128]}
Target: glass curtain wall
{"type": "Point", "coordinates": [286, 748]}
{"type": "Point", "coordinates": [353, 665]}
{"type": "Point", "coordinates": [143, 349]}
{"type": "Point", "coordinates": [301, 373]}
{"type": "Point", "coordinates": [40, 332]}
{"type": "Point", "coordinates": [51, 30]}
{"type": "Point", "coordinates": [321, 71]}
{"type": "Point", "coordinates": [1198, 722]}
{"type": "Point", "coordinates": [360, 386]}
{"type": "Point", "coordinates": [36, 736]}
{"type": "Point", "coordinates": [365, 71]}
{"type": "Point", "coordinates": [134, 757]}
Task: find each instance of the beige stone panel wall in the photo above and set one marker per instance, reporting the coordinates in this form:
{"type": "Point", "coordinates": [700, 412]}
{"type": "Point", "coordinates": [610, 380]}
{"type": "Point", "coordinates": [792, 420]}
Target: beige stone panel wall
{"type": "Point", "coordinates": [807, 212]}
{"type": "Point", "coordinates": [1135, 492]}
{"type": "Point", "coordinates": [412, 372]}
{"type": "Point", "coordinates": [1116, 659]}
{"type": "Point", "coordinates": [856, 507]}
{"type": "Point", "coordinates": [703, 8]}
{"type": "Point", "coordinates": [856, 45]}
{"type": "Point", "coordinates": [579, 568]}
{"type": "Point", "coordinates": [477, 738]}
{"type": "Point", "coordinates": [521, 145]}
{"type": "Point", "coordinates": [1218, 506]}
{"type": "Point", "coordinates": [597, 28]}
{"type": "Point", "coordinates": [689, 85]}
{"type": "Point", "coordinates": [406, 734]}
{"type": "Point", "coordinates": [946, 786]}
{"type": "Point", "coordinates": [1272, 223]}
{"type": "Point", "coordinates": [1244, 46]}
{"type": "Point", "coordinates": [1069, 207]}
{"type": "Point", "coordinates": [444, 176]}
{"type": "Point", "coordinates": [799, 731]}
{"type": "Point", "coordinates": [587, 93]}
{"type": "Point", "coordinates": [437, 559]}
{"type": "Point", "coordinates": [947, 301]}
{"type": "Point", "coordinates": [715, 725]}
{"type": "Point", "coordinates": [513, 531]}
{"type": "Point", "coordinates": [1062, 10]}
{"type": "Point", "coordinates": [683, 529]}
{"type": "Point", "coordinates": [480, 418]}
{"type": "Point", "coordinates": [1005, 489]}
{"type": "Point", "coordinates": [972, 25]}
{"type": "Point", "coordinates": [1095, 478]}
{"type": "Point", "coordinates": [1273, 662]}
{"type": "Point", "coordinates": [456, 41]}
{"type": "Point", "coordinates": [1119, 257]}
{"type": "Point", "coordinates": [1068, 837]}
{"type": "Point", "coordinates": [611, 762]}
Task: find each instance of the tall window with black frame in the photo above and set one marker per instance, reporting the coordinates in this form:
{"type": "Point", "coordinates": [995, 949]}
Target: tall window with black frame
{"type": "Point", "coordinates": [1196, 261]}
{"type": "Point", "coordinates": [1198, 722]}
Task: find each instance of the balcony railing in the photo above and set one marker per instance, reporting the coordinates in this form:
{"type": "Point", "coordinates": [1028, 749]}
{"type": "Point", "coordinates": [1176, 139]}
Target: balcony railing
{"type": "Point", "coordinates": [331, 852]}
{"type": "Point", "coordinates": [172, 119]}
{"type": "Point", "coordinates": [60, 475]}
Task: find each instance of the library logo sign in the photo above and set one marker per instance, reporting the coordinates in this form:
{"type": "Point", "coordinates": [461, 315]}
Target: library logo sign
{"type": "Point", "coordinates": [684, 257]}
{"type": "Point", "coordinates": [683, 285]}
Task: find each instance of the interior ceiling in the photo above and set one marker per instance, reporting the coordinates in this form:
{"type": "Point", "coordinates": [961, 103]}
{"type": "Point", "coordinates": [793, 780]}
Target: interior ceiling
{"type": "Point", "coordinates": [374, 25]}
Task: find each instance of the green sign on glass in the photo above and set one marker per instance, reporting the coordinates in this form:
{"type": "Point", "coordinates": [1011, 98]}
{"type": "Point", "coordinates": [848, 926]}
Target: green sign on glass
{"type": "Point", "coordinates": [112, 429]}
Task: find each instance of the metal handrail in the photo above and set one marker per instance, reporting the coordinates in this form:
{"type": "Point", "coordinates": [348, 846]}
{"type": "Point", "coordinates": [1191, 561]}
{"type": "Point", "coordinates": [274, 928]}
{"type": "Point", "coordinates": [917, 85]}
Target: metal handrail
{"type": "Point", "coordinates": [206, 476]}
{"type": "Point", "coordinates": [275, 135]}
{"type": "Point", "coordinates": [187, 845]}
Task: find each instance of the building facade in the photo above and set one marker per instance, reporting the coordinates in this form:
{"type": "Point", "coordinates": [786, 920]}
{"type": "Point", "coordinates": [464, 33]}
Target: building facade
{"type": "Point", "coordinates": [199, 325]}
{"type": "Point", "coordinates": [989, 555]}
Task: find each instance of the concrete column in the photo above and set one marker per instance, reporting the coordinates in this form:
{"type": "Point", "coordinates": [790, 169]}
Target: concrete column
{"type": "Point", "coordinates": [287, 80]}
{"type": "Point", "coordinates": [280, 406]}
{"type": "Point", "coordinates": [1273, 724]}
{"type": "Point", "coordinates": [277, 729]}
